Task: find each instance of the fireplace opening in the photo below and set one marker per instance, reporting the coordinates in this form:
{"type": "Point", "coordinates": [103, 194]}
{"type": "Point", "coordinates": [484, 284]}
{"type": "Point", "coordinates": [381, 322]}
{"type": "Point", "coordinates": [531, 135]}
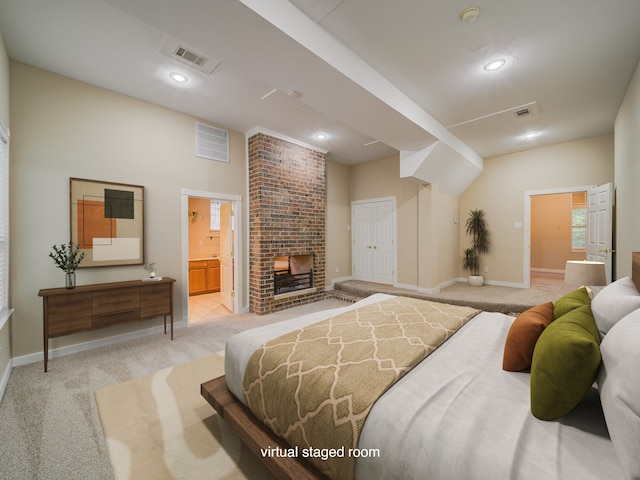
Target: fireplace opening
{"type": "Point", "coordinates": [292, 273]}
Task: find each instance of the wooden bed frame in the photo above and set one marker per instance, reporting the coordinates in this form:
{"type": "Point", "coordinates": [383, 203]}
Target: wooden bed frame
{"type": "Point", "coordinates": [256, 436]}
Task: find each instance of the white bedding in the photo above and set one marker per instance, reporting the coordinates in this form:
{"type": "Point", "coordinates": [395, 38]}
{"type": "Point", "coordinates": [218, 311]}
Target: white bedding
{"type": "Point", "coordinates": [458, 415]}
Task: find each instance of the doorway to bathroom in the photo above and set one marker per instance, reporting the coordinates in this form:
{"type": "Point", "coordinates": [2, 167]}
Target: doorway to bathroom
{"type": "Point", "coordinates": [210, 264]}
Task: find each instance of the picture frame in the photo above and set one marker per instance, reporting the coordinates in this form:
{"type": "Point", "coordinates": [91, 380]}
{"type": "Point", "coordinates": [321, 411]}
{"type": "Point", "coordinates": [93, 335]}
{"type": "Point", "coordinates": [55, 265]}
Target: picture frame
{"type": "Point", "coordinates": [107, 222]}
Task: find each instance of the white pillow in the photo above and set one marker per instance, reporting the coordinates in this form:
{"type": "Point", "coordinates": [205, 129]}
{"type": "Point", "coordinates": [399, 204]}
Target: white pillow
{"type": "Point", "coordinates": [620, 390]}
{"type": "Point", "coordinates": [613, 303]}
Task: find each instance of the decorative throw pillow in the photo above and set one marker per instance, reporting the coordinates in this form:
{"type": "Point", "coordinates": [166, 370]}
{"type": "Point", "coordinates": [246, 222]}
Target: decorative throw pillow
{"type": "Point", "coordinates": [570, 301]}
{"type": "Point", "coordinates": [523, 335]}
{"type": "Point", "coordinates": [565, 364]}
{"type": "Point", "coordinates": [614, 302]}
{"type": "Point", "coordinates": [620, 390]}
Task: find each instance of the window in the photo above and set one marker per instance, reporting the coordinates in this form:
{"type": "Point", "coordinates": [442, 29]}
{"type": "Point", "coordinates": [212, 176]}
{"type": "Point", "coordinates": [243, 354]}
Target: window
{"type": "Point", "coordinates": [4, 226]}
{"type": "Point", "coordinates": [215, 214]}
{"type": "Point", "coordinates": [578, 221]}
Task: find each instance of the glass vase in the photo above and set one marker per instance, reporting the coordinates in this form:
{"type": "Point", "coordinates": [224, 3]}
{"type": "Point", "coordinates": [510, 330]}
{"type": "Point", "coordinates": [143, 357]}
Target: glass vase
{"type": "Point", "coordinates": [70, 280]}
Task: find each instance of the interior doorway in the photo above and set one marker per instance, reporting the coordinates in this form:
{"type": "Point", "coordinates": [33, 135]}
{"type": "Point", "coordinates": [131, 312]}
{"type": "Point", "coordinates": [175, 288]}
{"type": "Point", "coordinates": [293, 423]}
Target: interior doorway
{"type": "Point", "coordinates": [558, 234]}
{"type": "Point", "coordinates": [566, 224]}
{"type": "Point", "coordinates": [211, 239]}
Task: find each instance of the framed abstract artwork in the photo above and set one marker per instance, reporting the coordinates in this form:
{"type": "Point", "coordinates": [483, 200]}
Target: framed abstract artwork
{"type": "Point", "coordinates": [107, 222]}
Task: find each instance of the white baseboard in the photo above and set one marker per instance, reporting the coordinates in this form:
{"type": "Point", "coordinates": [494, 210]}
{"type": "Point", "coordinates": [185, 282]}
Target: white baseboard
{"type": "Point", "coordinates": [428, 290]}
{"type": "Point", "coordinates": [81, 347]}
{"type": "Point", "coordinates": [5, 378]}
{"type": "Point", "coordinates": [497, 283]}
{"type": "Point", "coordinates": [406, 286]}
{"type": "Point", "coordinates": [505, 284]}
{"type": "Point", "coordinates": [547, 270]}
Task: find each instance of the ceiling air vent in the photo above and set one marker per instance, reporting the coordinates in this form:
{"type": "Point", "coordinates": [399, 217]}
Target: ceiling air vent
{"type": "Point", "coordinates": [526, 110]}
{"type": "Point", "coordinates": [187, 55]}
{"type": "Point", "coordinates": [212, 143]}
{"type": "Point", "coordinates": [190, 56]}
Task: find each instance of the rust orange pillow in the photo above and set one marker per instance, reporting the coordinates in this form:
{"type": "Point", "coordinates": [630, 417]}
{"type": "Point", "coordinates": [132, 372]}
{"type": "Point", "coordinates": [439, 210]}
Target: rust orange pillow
{"type": "Point", "coordinates": [523, 335]}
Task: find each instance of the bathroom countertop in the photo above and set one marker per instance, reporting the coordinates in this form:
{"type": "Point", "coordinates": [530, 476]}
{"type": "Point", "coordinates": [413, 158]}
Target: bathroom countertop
{"type": "Point", "coordinates": [202, 259]}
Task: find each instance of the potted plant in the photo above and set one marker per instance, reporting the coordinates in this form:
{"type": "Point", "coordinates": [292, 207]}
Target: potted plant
{"type": "Point", "coordinates": [67, 257]}
{"type": "Point", "coordinates": [476, 226]}
{"type": "Point", "coordinates": [151, 268]}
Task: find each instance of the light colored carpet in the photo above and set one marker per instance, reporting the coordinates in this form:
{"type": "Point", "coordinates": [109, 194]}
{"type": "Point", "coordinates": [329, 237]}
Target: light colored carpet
{"type": "Point", "coordinates": [490, 298]}
{"type": "Point", "coordinates": [160, 427]}
{"type": "Point", "coordinates": [49, 425]}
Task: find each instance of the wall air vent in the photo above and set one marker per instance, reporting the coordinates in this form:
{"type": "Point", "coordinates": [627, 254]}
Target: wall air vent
{"type": "Point", "coordinates": [186, 55]}
{"type": "Point", "coordinates": [212, 143]}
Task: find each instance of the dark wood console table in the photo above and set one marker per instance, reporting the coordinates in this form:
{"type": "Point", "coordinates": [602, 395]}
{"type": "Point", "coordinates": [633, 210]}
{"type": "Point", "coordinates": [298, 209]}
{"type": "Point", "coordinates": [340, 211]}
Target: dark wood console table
{"type": "Point", "coordinates": [89, 307]}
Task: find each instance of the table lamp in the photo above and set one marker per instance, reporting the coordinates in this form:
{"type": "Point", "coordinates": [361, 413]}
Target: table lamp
{"type": "Point", "coordinates": [582, 272]}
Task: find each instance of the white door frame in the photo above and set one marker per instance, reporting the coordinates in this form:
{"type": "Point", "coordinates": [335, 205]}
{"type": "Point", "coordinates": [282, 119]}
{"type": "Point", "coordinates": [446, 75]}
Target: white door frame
{"type": "Point", "coordinates": [237, 246]}
{"type": "Point", "coordinates": [526, 270]}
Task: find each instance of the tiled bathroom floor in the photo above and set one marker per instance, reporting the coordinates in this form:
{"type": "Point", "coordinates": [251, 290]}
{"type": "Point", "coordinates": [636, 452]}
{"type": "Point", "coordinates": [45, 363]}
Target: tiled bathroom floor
{"type": "Point", "coordinates": [205, 307]}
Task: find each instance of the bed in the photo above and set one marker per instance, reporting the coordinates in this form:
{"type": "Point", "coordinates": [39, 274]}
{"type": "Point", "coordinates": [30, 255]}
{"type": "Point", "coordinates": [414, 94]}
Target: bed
{"type": "Point", "coordinates": [459, 414]}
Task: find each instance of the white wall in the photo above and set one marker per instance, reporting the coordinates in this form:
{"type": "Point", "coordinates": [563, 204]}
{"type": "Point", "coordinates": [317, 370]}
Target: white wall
{"type": "Point", "coordinates": [627, 177]}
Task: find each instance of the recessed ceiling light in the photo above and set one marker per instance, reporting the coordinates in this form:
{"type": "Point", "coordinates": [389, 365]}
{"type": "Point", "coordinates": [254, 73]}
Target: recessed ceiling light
{"type": "Point", "coordinates": [321, 136]}
{"type": "Point", "coordinates": [495, 64]}
{"type": "Point", "coordinates": [178, 77]}
{"type": "Point", "coordinates": [469, 14]}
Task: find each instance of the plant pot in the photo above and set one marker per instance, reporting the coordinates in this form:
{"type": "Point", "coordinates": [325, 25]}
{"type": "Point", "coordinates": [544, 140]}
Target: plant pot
{"type": "Point", "coordinates": [70, 280]}
{"type": "Point", "coordinates": [475, 280]}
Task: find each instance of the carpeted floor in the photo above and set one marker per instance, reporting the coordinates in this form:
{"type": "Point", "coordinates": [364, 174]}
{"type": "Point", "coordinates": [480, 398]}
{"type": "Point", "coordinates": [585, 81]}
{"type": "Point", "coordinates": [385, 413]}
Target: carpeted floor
{"type": "Point", "coordinates": [488, 297]}
{"type": "Point", "coordinates": [49, 425]}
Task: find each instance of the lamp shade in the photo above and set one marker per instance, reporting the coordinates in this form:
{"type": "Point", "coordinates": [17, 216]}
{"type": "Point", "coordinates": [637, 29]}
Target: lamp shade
{"type": "Point", "coordinates": [585, 273]}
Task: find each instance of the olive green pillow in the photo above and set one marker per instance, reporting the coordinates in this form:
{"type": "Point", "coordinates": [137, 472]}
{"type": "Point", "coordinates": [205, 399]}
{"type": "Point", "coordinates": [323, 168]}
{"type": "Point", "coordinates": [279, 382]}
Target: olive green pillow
{"type": "Point", "coordinates": [565, 364]}
{"type": "Point", "coordinates": [571, 301]}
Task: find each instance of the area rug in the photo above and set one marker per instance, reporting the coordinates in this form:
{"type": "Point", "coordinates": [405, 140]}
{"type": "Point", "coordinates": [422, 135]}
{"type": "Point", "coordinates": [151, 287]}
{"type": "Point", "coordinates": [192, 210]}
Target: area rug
{"type": "Point", "coordinates": [160, 427]}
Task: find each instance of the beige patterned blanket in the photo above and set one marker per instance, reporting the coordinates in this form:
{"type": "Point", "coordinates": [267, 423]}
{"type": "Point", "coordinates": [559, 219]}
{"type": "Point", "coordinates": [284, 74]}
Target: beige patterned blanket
{"type": "Point", "coordinates": [315, 386]}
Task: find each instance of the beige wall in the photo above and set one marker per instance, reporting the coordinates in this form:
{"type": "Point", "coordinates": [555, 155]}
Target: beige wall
{"type": "Point", "coordinates": [5, 344]}
{"type": "Point", "coordinates": [627, 177]}
{"type": "Point", "coordinates": [338, 221]}
{"type": "Point", "coordinates": [62, 128]}
{"type": "Point", "coordinates": [427, 235]}
{"type": "Point", "coordinates": [381, 178]}
{"type": "Point", "coordinates": [499, 191]}
{"type": "Point", "coordinates": [551, 232]}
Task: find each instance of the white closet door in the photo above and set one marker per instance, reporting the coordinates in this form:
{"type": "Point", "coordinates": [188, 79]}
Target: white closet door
{"type": "Point", "coordinates": [373, 245]}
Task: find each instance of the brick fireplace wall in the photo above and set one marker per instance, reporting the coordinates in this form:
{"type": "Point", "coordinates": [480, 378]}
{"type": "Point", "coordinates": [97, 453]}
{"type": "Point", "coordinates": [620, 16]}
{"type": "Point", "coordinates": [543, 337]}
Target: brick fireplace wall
{"type": "Point", "coordinates": [286, 217]}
